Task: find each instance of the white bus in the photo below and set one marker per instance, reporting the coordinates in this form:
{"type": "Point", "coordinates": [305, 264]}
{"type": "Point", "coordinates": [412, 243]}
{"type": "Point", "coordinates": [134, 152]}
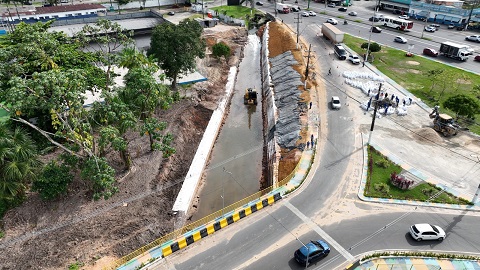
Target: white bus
{"type": "Point", "coordinates": [397, 23]}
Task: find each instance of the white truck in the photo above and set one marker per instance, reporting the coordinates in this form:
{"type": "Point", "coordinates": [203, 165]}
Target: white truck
{"type": "Point", "coordinates": [332, 33]}
{"type": "Point", "coordinates": [283, 8]}
{"type": "Point", "coordinates": [453, 50]}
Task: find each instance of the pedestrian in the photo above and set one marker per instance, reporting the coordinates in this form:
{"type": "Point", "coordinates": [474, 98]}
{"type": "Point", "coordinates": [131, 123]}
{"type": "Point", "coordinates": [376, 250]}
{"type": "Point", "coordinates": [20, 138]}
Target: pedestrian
{"type": "Point", "coordinates": [397, 100]}
{"type": "Point", "coordinates": [310, 104]}
{"type": "Point", "coordinates": [393, 97]}
{"type": "Point", "coordinates": [403, 102]}
{"type": "Point", "coordinates": [410, 101]}
{"type": "Point", "coordinates": [386, 95]}
{"type": "Point", "coordinates": [330, 71]}
{"type": "Point", "coordinates": [311, 138]}
{"type": "Point", "coordinates": [312, 144]}
{"type": "Point", "coordinates": [368, 92]}
{"type": "Point", "coordinates": [308, 144]}
{"type": "Point", "coordinates": [363, 63]}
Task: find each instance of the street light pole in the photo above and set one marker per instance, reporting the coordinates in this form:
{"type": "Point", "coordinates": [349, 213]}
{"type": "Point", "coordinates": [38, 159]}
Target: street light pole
{"type": "Point", "coordinates": [308, 252]}
{"type": "Point", "coordinates": [374, 114]}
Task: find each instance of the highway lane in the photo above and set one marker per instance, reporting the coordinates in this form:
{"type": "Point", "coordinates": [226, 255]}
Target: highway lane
{"type": "Point", "coordinates": [359, 26]}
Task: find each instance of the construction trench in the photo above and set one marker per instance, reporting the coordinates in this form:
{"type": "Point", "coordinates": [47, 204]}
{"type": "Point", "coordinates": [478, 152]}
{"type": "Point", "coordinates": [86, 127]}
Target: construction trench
{"type": "Point", "coordinates": [239, 158]}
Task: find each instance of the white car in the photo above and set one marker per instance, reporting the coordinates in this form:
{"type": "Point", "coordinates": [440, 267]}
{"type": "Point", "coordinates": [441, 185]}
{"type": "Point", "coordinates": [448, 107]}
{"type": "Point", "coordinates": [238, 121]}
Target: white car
{"type": "Point", "coordinates": [354, 59]}
{"type": "Point", "coordinates": [352, 13]}
{"type": "Point", "coordinates": [336, 104]}
{"type": "Point", "coordinates": [331, 5]}
{"type": "Point", "coordinates": [430, 29]}
{"type": "Point", "coordinates": [305, 14]}
{"type": "Point", "coordinates": [404, 17]}
{"type": "Point", "coordinates": [312, 13]}
{"type": "Point", "coordinates": [332, 21]}
{"type": "Point", "coordinates": [426, 231]}
{"type": "Point", "coordinates": [473, 38]}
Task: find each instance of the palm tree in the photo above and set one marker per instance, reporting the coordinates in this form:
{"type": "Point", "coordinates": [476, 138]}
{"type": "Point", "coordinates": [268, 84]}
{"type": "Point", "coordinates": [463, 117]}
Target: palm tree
{"type": "Point", "coordinates": [19, 162]}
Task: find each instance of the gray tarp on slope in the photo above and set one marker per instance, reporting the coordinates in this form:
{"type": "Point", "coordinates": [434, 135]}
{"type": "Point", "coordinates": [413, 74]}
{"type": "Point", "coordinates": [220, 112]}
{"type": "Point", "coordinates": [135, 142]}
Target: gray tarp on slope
{"type": "Point", "coordinates": [287, 98]}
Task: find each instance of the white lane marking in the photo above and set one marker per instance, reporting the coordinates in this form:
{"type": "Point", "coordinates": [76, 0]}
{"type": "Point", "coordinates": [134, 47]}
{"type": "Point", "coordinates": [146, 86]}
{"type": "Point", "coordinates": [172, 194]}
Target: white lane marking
{"type": "Point", "coordinates": [320, 232]}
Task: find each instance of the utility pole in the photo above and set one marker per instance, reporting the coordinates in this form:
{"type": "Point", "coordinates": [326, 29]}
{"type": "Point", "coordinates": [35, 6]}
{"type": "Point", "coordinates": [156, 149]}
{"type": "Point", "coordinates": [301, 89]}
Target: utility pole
{"type": "Point", "coordinates": [308, 66]}
{"type": "Point", "coordinates": [374, 114]}
{"type": "Point", "coordinates": [298, 26]}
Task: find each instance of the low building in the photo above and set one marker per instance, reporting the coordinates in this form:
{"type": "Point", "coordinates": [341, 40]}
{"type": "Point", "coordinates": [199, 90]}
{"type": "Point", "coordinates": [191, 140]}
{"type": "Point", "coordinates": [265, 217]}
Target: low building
{"type": "Point", "coordinates": [44, 14]}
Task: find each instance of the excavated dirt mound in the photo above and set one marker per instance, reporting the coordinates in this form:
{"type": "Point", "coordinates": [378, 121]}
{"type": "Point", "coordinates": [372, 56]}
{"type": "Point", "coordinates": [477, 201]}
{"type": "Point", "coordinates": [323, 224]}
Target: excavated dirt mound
{"type": "Point", "coordinates": [54, 235]}
{"type": "Point", "coordinates": [428, 135]}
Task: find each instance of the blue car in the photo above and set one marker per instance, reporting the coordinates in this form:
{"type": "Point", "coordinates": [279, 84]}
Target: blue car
{"type": "Point", "coordinates": [315, 250]}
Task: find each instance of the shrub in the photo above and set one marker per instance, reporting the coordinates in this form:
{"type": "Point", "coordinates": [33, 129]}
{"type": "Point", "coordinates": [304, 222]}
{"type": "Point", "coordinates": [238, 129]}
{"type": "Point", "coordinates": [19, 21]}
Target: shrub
{"type": "Point", "coordinates": [381, 187]}
{"type": "Point", "coordinates": [53, 181]}
{"type": "Point", "coordinates": [382, 163]}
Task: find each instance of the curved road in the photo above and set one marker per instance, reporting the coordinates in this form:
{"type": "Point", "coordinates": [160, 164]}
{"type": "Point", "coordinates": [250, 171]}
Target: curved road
{"type": "Point", "coordinates": [326, 207]}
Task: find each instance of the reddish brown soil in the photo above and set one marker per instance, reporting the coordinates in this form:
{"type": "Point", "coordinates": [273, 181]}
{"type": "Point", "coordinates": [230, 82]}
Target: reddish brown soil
{"type": "Point", "coordinates": [54, 235]}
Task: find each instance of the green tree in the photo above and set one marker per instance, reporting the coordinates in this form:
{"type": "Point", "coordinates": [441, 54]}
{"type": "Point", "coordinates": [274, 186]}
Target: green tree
{"type": "Point", "coordinates": [374, 47]}
{"type": "Point", "coordinates": [433, 75]}
{"type": "Point", "coordinates": [53, 181]}
{"type": "Point", "coordinates": [110, 37]}
{"type": "Point", "coordinates": [462, 105]}
{"type": "Point", "coordinates": [177, 46]}
{"type": "Point", "coordinates": [121, 3]}
{"type": "Point", "coordinates": [101, 175]}
{"type": "Point", "coordinates": [158, 141]}
{"type": "Point", "coordinates": [18, 164]}
{"type": "Point", "coordinates": [221, 49]}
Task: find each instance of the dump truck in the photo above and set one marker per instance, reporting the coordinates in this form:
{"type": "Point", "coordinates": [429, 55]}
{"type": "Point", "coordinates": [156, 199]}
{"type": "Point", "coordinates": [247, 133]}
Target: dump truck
{"type": "Point", "coordinates": [283, 8]}
{"type": "Point", "coordinates": [443, 123]}
{"type": "Point", "coordinates": [332, 33]}
{"type": "Point", "coordinates": [453, 50]}
{"type": "Point", "coordinates": [250, 96]}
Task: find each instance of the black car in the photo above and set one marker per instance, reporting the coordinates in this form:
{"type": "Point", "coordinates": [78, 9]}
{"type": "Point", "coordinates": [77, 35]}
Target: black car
{"type": "Point", "coordinates": [259, 3]}
{"type": "Point", "coordinates": [397, 11]}
{"type": "Point", "coordinates": [342, 9]}
{"type": "Point", "coordinates": [375, 19]}
{"type": "Point", "coordinates": [376, 29]}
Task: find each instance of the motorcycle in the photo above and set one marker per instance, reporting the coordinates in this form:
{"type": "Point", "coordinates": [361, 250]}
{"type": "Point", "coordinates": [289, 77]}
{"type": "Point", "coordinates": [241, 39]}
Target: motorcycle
{"type": "Point", "coordinates": [345, 22]}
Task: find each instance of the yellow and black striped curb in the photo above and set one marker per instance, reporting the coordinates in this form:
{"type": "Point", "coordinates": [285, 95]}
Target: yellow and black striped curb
{"type": "Point", "coordinates": [205, 230]}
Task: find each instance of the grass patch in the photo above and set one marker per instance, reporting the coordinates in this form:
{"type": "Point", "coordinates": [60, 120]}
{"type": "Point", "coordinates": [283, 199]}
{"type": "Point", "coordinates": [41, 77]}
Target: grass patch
{"type": "Point", "coordinates": [379, 185]}
{"type": "Point", "coordinates": [412, 74]}
{"type": "Point", "coordinates": [238, 12]}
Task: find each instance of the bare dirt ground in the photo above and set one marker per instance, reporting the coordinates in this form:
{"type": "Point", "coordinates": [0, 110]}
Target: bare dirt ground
{"type": "Point", "coordinates": [54, 235]}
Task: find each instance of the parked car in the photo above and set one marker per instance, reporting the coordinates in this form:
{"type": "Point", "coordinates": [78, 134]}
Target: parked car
{"type": "Point", "coordinates": [397, 11]}
{"type": "Point", "coordinates": [331, 5]}
{"type": "Point", "coordinates": [404, 17]}
{"type": "Point", "coordinates": [451, 26]}
{"type": "Point", "coordinates": [376, 29]}
{"type": "Point", "coordinates": [259, 3]}
{"type": "Point", "coordinates": [332, 21]}
{"type": "Point", "coordinates": [312, 13]}
{"type": "Point", "coordinates": [336, 104]}
{"type": "Point", "coordinates": [171, 13]}
{"type": "Point", "coordinates": [352, 13]}
{"type": "Point", "coordinates": [305, 14]}
{"type": "Point", "coordinates": [425, 231]}
{"type": "Point", "coordinates": [475, 38]}
{"type": "Point", "coordinates": [295, 8]}
{"type": "Point", "coordinates": [354, 59]}
{"type": "Point", "coordinates": [342, 9]}
{"type": "Point", "coordinates": [374, 19]}
{"type": "Point", "coordinates": [430, 29]}
{"type": "Point", "coordinates": [477, 58]}
{"type": "Point", "coordinates": [430, 52]}
{"type": "Point", "coordinates": [313, 251]}
{"type": "Point", "coordinates": [400, 39]}
{"type": "Point", "coordinates": [437, 26]}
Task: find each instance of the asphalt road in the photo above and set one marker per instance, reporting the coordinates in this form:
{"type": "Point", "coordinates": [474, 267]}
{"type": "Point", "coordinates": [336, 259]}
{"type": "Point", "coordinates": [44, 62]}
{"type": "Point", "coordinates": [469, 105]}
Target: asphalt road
{"type": "Point", "coordinates": [361, 29]}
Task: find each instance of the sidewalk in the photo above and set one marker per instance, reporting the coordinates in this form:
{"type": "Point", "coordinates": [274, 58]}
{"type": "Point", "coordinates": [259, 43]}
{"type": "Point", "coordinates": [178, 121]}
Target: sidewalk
{"type": "Point", "coordinates": [407, 263]}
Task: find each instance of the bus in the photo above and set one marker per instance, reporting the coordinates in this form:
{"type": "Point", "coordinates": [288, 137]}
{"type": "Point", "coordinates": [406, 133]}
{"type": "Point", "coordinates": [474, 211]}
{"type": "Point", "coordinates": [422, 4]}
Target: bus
{"type": "Point", "coordinates": [398, 24]}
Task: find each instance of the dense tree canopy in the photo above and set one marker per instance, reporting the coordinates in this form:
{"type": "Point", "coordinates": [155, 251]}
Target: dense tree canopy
{"type": "Point", "coordinates": [177, 46]}
{"type": "Point", "coordinates": [45, 78]}
{"type": "Point", "coordinates": [462, 105]}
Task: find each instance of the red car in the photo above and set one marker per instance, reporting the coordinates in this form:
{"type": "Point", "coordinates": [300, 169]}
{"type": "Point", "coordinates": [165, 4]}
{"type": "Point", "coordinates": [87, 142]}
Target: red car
{"type": "Point", "coordinates": [430, 52]}
{"type": "Point", "coordinates": [477, 58]}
